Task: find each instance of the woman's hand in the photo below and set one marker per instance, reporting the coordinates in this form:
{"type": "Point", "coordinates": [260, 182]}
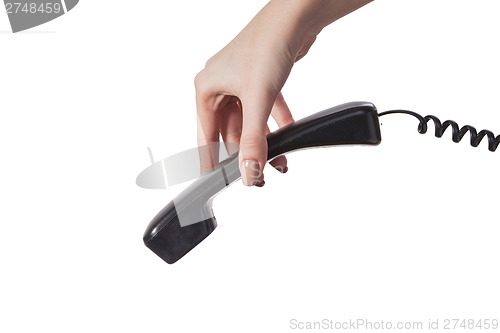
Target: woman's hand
{"type": "Point", "coordinates": [240, 86]}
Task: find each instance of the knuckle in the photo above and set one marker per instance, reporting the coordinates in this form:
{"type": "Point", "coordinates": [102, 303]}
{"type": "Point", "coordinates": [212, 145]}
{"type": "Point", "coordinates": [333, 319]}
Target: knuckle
{"type": "Point", "coordinates": [209, 61]}
{"type": "Point", "coordinates": [252, 139]}
{"type": "Point", "coordinates": [198, 80]}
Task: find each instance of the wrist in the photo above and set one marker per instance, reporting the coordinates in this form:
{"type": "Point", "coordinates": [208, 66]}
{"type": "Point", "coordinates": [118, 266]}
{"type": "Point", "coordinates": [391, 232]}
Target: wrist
{"type": "Point", "coordinates": [297, 22]}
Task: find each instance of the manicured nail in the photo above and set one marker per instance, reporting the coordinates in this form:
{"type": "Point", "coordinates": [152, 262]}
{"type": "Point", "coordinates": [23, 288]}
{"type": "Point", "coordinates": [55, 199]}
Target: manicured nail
{"type": "Point", "coordinates": [251, 172]}
{"type": "Point", "coordinates": [261, 183]}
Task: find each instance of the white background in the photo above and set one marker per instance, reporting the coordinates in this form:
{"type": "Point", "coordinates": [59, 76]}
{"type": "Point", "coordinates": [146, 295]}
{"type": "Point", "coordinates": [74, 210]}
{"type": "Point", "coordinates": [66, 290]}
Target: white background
{"type": "Point", "coordinates": [407, 230]}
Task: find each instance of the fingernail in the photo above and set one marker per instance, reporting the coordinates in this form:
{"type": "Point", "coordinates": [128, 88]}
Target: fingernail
{"type": "Point", "coordinates": [284, 170]}
{"type": "Point", "coordinates": [260, 184]}
{"type": "Point", "coordinates": [251, 172]}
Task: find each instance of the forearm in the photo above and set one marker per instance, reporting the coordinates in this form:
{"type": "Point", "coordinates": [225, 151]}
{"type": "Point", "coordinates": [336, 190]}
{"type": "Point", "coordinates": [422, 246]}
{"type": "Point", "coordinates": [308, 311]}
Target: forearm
{"type": "Point", "coordinates": [317, 14]}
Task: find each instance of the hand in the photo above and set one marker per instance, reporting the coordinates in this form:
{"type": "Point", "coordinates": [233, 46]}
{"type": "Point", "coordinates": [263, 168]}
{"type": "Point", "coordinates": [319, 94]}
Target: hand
{"type": "Point", "coordinates": [240, 86]}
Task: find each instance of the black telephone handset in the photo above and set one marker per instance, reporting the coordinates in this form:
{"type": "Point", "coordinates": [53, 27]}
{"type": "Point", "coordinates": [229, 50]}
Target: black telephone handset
{"type": "Point", "coordinates": [188, 218]}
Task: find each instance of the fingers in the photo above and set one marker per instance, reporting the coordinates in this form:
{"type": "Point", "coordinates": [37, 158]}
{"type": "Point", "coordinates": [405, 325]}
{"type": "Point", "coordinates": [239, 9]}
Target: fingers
{"type": "Point", "coordinates": [242, 123]}
{"type": "Point", "coordinates": [208, 150]}
{"type": "Point", "coordinates": [280, 112]}
{"type": "Point", "coordinates": [282, 115]}
{"type": "Point", "coordinates": [253, 143]}
{"type": "Point", "coordinates": [230, 125]}
{"type": "Point", "coordinates": [207, 130]}
{"type": "Point", "coordinates": [279, 163]}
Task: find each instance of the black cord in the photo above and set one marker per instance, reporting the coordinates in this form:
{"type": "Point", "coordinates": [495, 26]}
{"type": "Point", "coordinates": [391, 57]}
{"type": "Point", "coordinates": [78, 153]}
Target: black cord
{"type": "Point", "coordinates": [457, 134]}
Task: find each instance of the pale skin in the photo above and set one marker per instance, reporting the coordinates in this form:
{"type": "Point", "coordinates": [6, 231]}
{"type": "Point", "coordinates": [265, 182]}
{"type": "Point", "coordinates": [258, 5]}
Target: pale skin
{"type": "Point", "coordinates": [240, 86]}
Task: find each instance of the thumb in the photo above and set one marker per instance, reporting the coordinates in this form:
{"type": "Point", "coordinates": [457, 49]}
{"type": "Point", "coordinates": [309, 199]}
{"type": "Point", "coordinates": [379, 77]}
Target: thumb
{"type": "Point", "coordinates": [253, 143]}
